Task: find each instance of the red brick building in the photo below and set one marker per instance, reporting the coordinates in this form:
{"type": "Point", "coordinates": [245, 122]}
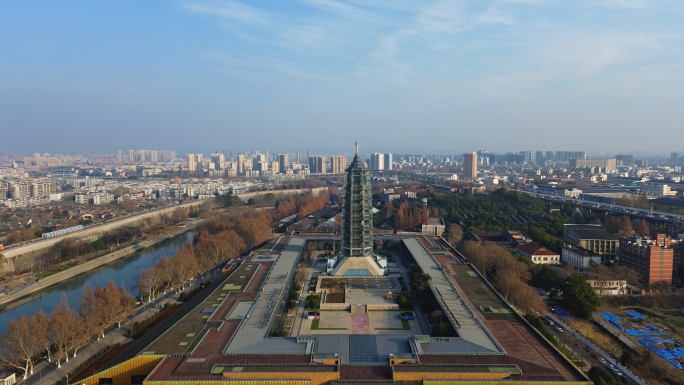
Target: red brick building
{"type": "Point", "coordinates": [653, 259]}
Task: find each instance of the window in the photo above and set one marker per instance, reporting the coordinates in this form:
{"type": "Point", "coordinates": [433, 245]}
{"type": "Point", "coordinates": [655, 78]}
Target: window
{"type": "Point", "coordinates": [106, 381]}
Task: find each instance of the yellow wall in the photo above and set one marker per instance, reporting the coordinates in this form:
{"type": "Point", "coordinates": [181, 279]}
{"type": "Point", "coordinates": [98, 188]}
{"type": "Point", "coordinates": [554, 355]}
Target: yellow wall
{"type": "Point", "coordinates": [504, 382]}
{"type": "Point", "coordinates": [137, 366]}
{"type": "Point", "coordinates": [316, 378]}
{"type": "Point", "coordinates": [419, 376]}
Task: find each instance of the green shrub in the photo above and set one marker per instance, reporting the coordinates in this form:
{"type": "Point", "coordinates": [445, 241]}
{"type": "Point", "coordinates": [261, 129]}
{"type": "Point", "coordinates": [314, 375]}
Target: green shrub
{"type": "Point", "coordinates": [541, 327]}
{"type": "Point", "coordinates": [313, 302]}
{"type": "Point", "coordinates": [183, 297]}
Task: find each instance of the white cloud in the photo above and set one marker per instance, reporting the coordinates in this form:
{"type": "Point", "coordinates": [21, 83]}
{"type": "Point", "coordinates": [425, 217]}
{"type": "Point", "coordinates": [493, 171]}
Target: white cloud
{"type": "Point", "coordinates": [231, 10]}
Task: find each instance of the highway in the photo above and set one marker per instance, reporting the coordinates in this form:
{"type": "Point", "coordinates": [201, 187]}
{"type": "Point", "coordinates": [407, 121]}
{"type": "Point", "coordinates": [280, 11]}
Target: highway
{"type": "Point", "coordinates": [671, 217]}
{"type": "Point", "coordinates": [644, 213]}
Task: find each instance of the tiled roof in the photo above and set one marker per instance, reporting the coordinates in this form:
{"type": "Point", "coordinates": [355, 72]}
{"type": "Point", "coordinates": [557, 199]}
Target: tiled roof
{"type": "Point", "coordinates": [534, 249]}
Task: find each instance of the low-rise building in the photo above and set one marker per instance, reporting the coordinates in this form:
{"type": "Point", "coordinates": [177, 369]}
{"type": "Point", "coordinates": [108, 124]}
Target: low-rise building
{"type": "Point", "coordinates": [538, 254]}
{"type": "Point", "coordinates": [8, 378]}
{"type": "Point", "coordinates": [509, 239]}
{"type": "Point", "coordinates": [658, 190]}
{"type": "Point", "coordinates": [435, 226]}
{"type": "Point", "coordinates": [595, 239]}
{"type": "Point", "coordinates": [384, 198]}
{"type": "Point", "coordinates": [579, 258]}
{"type": "Point", "coordinates": [608, 286]}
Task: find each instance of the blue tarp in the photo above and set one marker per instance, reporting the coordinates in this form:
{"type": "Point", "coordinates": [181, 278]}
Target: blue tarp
{"type": "Point", "coordinates": [635, 314]}
{"type": "Point", "coordinates": [654, 344]}
{"type": "Point", "coordinates": [617, 321]}
{"type": "Point", "coordinates": [561, 312]}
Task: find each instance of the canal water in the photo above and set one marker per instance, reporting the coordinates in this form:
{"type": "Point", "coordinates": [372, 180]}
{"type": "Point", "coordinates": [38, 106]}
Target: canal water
{"type": "Point", "coordinates": [122, 271]}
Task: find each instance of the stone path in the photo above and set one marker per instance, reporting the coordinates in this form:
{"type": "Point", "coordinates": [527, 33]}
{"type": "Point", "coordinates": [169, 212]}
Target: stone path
{"type": "Point", "coordinates": [360, 323]}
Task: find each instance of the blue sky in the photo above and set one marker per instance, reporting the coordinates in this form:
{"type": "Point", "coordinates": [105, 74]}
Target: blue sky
{"type": "Point", "coordinates": [420, 76]}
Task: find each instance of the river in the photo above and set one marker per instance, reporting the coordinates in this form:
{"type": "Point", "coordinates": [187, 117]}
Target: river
{"type": "Point", "coordinates": [121, 271]}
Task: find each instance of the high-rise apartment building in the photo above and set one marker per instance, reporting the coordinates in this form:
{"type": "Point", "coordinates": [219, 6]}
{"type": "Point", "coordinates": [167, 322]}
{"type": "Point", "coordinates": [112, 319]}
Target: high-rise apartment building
{"type": "Point", "coordinates": [42, 188]}
{"type": "Point", "coordinates": [241, 164]}
{"type": "Point", "coordinates": [470, 166]}
{"type": "Point", "coordinates": [192, 163]}
{"type": "Point", "coordinates": [539, 157]}
{"type": "Point", "coordinates": [624, 160]}
{"type": "Point", "coordinates": [131, 155]}
{"type": "Point", "coordinates": [154, 156]}
{"type": "Point", "coordinates": [338, 164]}
{"type": "Point", "coordinates": [218, 160]}
{"type": "Point", "coordinates": [19, 190]}
{"type": "Point", "coordinates": [609, 164]}
{"type": "Point", "coordinates": [548, 155]}
{"type": "Point", "coordinates": [283, 163]}
{"type": "Point", "coordinates": [388, 162]}
{"type": "Point", "coordinates": [144, 155]}
{"type": "Point", "coordinates": [527, 156]}
{"type": "Point", "coordinates": [317, 164]}
{"type": "Point", "coordinates": [377, 162]}
{"type": "Point", "coordinates": [167, 155]}
{"type": "Point", "coordinates": [674, 159]}
{"type": "Point", "coordinates": [297, 156]}
{"type": "Point", "coordinates": [119, 156]}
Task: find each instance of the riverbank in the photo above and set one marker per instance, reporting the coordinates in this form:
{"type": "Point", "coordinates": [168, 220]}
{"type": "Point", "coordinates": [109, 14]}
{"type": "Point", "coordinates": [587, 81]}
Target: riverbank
{"type": "Point", "coordinates": [90, 265]}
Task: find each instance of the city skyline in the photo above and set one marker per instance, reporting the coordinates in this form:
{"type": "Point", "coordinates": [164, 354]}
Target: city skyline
{"type": "Point", "coordinates": [173, 75]}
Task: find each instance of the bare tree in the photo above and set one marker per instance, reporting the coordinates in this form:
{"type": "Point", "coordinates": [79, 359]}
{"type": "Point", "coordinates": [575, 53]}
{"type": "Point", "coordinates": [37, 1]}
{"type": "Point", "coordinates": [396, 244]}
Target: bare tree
{"type": "Point", "coordinates": [455, 234]}
{"type": "Point", "coordinates": [64, 327]}
{"type": "Point", "coordinates": [19, 345]}
{"type": "Point", "coordinates": [41, 328]}
{"type": "Point", "coordinates": [215, 249]}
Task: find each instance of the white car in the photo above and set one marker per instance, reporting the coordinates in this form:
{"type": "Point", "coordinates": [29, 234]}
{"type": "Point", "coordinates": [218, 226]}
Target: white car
{"type": "Point", "coordinates": [560, 330]}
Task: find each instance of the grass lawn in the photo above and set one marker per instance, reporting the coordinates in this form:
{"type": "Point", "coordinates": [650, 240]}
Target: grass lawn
{"type": "Point", "coordinates": [64, 267]}
{"type": "Point", "coordinates": [314, 326]}
{"type": "Point", "coordinates": [46, 274]}
{"type": "Point", "coordinates": [668, 317]}
{"type": "Point", "coordinates": [404, 323]}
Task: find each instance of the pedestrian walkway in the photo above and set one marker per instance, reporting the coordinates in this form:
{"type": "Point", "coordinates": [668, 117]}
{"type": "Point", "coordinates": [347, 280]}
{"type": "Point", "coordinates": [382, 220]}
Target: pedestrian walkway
{"type": "Point", "coordinates": [48, 373]}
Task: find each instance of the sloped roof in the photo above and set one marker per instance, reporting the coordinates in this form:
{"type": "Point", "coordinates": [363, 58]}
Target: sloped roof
{"type": "Point", "coordinates": [534, 249]}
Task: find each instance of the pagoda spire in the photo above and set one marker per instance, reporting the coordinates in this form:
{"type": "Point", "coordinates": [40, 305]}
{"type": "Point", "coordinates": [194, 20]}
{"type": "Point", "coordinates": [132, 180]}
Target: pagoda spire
{"type": "Point", "coordinates": [357, 148]}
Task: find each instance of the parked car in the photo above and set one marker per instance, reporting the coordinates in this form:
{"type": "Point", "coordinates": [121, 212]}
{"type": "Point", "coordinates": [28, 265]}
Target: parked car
{"type": "Point", "coordinates": [560, 330]}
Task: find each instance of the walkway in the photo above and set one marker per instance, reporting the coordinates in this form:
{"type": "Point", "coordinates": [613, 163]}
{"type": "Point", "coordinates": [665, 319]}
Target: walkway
{"type": "Point", "coordinates": [45, 373]}
{"type": "Point", "coordinates": [299, 316]}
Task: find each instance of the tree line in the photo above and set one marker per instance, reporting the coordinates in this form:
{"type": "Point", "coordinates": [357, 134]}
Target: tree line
{"type": "Point", "coordinates": [303, 206]}
{"type": "Point", "coordinates": [217, 243]}
{"type": "Point", "coordinates": [514, 277]}
{"type": "Point", "coordinates": [509, 275]}
{"type": "Point", "coordinates": [65, 330]}
{"type": "Point", "coordinates": [409, 217]}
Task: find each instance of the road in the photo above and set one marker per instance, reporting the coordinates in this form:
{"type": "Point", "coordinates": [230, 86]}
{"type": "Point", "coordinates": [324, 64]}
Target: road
{"type": "Point", "coordinates": [644, 213]}
{"type": "Point", "coordinates": [631, 377]}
